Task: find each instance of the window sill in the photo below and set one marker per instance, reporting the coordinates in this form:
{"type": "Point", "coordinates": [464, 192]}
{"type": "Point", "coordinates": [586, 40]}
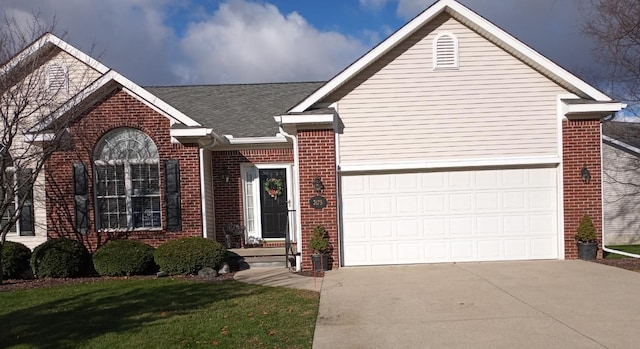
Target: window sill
{"type": "Point", "coordinates": [128, 230]}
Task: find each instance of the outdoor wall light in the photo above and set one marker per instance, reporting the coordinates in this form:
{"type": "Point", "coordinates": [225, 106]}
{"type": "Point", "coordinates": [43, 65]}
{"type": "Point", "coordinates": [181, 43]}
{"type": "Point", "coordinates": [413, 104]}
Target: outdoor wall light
{"type": "Point", "coordinates": [317, 185]}
{"type": "Point", "coordinates": [225, 174]}
{"type": "Point", "coordinates": [585, 174]}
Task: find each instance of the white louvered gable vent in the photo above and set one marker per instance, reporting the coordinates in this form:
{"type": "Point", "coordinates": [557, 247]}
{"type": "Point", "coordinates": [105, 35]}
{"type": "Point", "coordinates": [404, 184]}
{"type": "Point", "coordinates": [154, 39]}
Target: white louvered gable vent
{"type": "Point", "coordinates": [57, 78]}
{"type": "Point", "coordinates": [445, 51]}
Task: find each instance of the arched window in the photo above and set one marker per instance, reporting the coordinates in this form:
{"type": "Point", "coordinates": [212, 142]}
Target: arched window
{"type": "Point", "coordinates": [127, 182]}
{"type": "Point", "coordinates": [445, 51]}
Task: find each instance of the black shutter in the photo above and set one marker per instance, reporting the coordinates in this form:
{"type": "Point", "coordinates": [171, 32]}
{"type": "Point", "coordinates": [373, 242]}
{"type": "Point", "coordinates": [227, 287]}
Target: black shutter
{"type": "Point", "coordinates": [172, 194]}
{"type": "Point", "coordinates": [25, 196]}
{"type": "Point", "coordinates": [81, 197]}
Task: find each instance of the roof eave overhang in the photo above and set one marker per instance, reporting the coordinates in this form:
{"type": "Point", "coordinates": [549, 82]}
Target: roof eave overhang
{"type": "Point", "coordinates": [306, 120]}
{"type": "Point", "coordinates": [591, 111]}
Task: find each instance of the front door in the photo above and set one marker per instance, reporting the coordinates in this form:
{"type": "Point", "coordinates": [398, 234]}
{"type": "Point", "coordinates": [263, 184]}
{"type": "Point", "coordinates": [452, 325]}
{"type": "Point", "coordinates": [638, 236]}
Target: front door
{"type": "Point", "coordinates": [273, 202]}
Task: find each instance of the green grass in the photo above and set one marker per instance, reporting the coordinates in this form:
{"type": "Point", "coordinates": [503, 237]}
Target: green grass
{"type": "Point", "coordinates": [624, 248]}
{"type": "Point", "coordinates": [158, 313]}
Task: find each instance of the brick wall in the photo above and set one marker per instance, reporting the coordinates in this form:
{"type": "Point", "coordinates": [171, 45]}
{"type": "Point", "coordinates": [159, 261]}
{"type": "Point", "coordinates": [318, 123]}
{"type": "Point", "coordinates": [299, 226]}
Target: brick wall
{"type": "Point", "coordinates": [119, 109]}
{"type": "Point", "coordinates": [581, 145]}
{"type": "Point", "coordinates": [317, 159]}
{"type": "Point", "coordinates": [228, 196]}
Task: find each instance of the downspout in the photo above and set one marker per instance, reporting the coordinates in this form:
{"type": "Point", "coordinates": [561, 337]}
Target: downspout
{"type": "Point", "coordinates": [296, 190]}
{"type": "Point", "coordinates": [203, 194]}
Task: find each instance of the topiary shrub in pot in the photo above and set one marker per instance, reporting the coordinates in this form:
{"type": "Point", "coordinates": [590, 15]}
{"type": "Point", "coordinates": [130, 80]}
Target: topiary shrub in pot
{"type": "Point", "coordinates": [124, 257]}
{"type": "Point", "coordinates": [188, 255]}
{"type": "Point", "coordinates": [586, 239]}
{"type": "Point", "coordinates": [15, 260]}
{"type": "Point", "coordinates": [61, 258]}
{"type": "Point", "coordinates": [319, 244]}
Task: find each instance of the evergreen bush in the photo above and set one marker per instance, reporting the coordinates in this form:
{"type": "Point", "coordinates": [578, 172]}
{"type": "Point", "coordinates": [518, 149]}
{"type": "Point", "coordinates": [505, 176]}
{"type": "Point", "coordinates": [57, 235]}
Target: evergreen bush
{"type": "Point", "coordinates": [15, 260]}
{"type": "Point", "coordinates": [124, 257]}
{"type": "Point", "coordinates": [189, 255]}
{"type": "Point", "coordinates": [61, 258]}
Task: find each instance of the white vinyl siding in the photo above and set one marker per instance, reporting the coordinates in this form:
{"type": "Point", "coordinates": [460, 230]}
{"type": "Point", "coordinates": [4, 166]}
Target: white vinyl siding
{"type": "Point", "coordinates": [621, 196]}
{"type": "Point", "coordinates": [400, 109]}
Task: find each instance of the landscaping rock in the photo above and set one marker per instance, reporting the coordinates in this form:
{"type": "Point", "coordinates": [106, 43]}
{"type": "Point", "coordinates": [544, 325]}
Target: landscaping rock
{"type": "Point", "coordinates": [207, 272]}
{"type": "Point", "coordinates": [225, 269]}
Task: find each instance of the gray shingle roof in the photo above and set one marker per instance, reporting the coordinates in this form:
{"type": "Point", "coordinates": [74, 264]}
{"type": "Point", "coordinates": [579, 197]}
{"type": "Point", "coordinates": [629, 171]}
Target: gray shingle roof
{"type": "Point", "coordinates": [245, 110]}
{"type": "Point", "coordinates": [627, 132]}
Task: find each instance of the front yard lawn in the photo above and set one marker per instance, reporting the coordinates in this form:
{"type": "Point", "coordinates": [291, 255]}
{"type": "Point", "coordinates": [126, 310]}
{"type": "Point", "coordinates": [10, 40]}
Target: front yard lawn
{"type": "Point", "coordinates": [158, 313]}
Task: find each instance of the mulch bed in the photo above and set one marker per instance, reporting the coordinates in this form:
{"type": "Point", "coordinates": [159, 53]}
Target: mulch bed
{"type": "Point", "coordinates": [25, 284]}
{"type": "Point", "coordinates": [17, 284]}
{"type": "Point", "coordinates": [624, 263]}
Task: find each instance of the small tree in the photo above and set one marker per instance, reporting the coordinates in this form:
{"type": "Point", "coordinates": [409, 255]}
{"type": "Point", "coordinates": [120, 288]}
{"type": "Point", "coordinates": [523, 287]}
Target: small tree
{"type": "Point", "coordinates": [30, 93]}
{"type": "Point", "coordinates": [586, 231]}
{"type": "Point", "coordinates": [319, 242]}
{"type": "Point", "coordinates": [614, 25]}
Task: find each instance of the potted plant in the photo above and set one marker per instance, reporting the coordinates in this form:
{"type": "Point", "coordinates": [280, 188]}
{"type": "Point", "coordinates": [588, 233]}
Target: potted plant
{"type": "Point", "coordinates": [586, 239]}
{"type": "Point", "coordinates": [319, 244]}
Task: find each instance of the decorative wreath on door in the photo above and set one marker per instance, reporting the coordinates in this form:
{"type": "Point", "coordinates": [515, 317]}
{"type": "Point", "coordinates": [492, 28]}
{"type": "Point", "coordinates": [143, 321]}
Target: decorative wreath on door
{"type": "Point", "coordinates": [273, 186]}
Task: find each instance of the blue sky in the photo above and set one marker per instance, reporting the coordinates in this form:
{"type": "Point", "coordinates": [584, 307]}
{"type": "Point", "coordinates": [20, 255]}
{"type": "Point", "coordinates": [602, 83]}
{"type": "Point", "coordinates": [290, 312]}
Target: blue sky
{"type": "Point", "coordinates": [172, 42]}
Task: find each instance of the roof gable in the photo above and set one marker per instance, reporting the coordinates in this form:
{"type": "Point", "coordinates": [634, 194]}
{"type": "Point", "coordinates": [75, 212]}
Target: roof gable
{"type": "Point", "coordinates": [478, 24]}
{"type": "Point", "coordinates": [46, 41]}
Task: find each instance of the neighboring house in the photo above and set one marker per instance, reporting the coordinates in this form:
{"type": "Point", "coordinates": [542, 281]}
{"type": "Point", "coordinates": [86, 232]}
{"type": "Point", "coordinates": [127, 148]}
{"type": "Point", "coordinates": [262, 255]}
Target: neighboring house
{"type": "Point", "coordinates": [449, 141]}
{"type": "Point", "coordinates": [621, 182]}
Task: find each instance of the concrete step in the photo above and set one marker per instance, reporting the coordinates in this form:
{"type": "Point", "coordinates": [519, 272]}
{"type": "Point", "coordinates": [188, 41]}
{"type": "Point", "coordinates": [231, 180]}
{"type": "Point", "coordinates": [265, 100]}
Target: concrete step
{"type": "Point", "coordinates": [268, 257]}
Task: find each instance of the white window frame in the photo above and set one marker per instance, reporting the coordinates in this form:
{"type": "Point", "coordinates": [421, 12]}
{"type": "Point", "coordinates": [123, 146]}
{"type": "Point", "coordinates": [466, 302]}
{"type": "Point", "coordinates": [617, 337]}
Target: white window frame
{"type": "Point", "coordinates": [250, 170]}
{"type": "Point", "coordinates": [436, 50]}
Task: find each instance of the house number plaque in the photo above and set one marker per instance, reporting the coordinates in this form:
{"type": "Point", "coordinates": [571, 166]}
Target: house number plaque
{"type": "Point", "coordinates": [318, 202]}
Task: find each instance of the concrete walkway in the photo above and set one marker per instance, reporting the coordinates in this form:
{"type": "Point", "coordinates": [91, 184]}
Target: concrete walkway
{"type": "Point", "coordinates": [538, 304]}
{"type": "Point", "coordinates": [278, 277]}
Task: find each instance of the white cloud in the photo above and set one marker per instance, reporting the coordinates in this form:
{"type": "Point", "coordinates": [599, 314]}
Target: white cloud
{"type": "Point", "coordinates": [246, 41]}
{"type": "Point", "coordinates": [373, 5]}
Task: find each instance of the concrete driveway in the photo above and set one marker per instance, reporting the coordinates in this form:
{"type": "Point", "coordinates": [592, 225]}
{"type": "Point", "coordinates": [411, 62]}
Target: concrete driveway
{"type": "Point", "coordinates": [537, 304]}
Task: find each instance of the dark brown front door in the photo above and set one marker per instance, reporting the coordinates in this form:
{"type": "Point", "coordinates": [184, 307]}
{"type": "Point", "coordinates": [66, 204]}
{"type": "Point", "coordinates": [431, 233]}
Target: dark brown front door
{"type": "Point", "coordinates": [273, 202]}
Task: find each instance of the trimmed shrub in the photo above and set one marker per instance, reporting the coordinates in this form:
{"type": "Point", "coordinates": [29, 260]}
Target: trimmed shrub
{"type": "Point", "coordinates": [124, 257]}
{"type": "Point", "coordinates": [189, 255]}
{"type": "Point", "coordinates": [15, 260]}
{"type": "Point", "coordinates": [61, 258]}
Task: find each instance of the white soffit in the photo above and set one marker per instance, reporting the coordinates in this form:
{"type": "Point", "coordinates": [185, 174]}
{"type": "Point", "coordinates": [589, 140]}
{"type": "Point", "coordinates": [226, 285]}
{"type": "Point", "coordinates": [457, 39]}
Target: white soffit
{"type": "Point", "coordinates": [468, 17]}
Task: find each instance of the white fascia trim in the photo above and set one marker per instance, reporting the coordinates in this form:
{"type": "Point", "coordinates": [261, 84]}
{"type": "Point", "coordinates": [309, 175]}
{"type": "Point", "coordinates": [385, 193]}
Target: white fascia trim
{"type": "Point", "coordinates": [191, 132]}
{"type": "Point", "coordinates": [153, 100]}
{"type": "Point", "coordinates": [621, 144]}
{"type": "Point", "coordinates": [307, 119]}
{"type": "Point", "coordinates": [255, 140]}
{"type": "Point", "coordinates": [133, 90]}
{"type": "Point", "coordinates": [428, 165]}
{"type": "Point", "coordinates": [428, 15]}
{"type": "Point", "coordinates": [63, 45]}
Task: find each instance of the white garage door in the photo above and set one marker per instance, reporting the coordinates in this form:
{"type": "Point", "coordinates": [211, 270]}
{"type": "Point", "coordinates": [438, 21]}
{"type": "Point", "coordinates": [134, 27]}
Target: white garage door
{"type": "Point", "coordinates": [487, 215]}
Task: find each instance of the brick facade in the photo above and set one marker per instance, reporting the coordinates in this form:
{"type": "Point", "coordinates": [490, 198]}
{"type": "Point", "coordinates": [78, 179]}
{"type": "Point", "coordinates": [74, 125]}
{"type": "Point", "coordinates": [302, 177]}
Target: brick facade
{"type": "Point", "coordinates": [228, 205]}
{"type": "Point", "coordinates": [317, 154]}
{"type": "Point", "coordinates": [581, 146]}
{"type": "Point", "coordinates": [119, 109]}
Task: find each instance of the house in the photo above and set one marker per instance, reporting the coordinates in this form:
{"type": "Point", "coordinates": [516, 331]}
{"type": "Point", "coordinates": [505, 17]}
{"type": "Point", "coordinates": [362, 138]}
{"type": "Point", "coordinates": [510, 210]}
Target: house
{"type": "Point", "coordinates": [621, 182]}
{"type": "Point", "coordinates": [449, 141]}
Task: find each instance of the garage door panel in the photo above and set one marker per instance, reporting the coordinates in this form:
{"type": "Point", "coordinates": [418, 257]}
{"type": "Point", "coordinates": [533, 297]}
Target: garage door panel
{"type": "Point", "coordinates": [504, 214]}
